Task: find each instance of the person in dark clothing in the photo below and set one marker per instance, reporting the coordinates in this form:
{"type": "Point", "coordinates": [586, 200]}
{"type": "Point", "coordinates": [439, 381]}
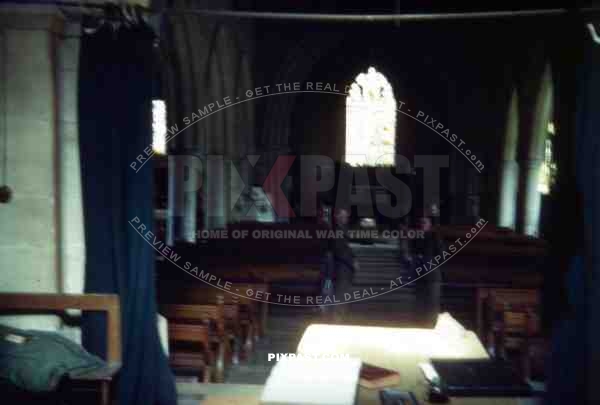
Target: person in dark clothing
{"type": "Point", "coordinates": [337, 266]}
{"type": "Point", "coordinates": [428, 287]}
{"type": "Point", "coordinates": [344, 263]}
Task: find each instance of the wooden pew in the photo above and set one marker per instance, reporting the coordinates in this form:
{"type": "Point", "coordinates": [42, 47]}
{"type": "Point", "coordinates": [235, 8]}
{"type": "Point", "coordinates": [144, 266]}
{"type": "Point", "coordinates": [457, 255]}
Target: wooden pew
{"type": "Point", "coordinates": [198, 360]}
{"type": "Point", "coordinates": [240, 322]}
{"type": "Point", "coordinates": [57, 303]}
{"type": "Point", "coordinates": [208, 322]}
{"type": "Point", "coordinates": [496, 258]}
{"type": "Point", "coordinates": [250, 263]}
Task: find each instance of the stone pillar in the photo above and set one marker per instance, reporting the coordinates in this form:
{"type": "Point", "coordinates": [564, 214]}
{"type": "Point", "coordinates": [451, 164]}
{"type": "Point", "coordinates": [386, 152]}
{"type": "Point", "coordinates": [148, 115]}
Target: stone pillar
{"type": "Point", "coordinates": [509, 168]}
{"type": "Point", "coordinates": [29, 241]}
{"type": "Point", "coordinates": [72, 240]}
{"type": "Point", "coordinates": [535, 132]}
{"type": "Point", "coordinates": [509, 185]}
{"type": "Point", "coordinates": [276, 180]}
{"type": "Point", "coordinates": [532, 198]}
{"type": "Point", "coordinates": [215, 189]}
{"type": "Point", "coordinates": [185, 180]}
{"type": "Point", "coordinates": [70, 205]}
{"type": "Point", "coordinates": [238, 180]}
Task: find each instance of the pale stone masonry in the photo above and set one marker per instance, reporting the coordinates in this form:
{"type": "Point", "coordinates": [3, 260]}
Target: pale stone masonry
{"type": "Point", "coordinates": [41, 243]}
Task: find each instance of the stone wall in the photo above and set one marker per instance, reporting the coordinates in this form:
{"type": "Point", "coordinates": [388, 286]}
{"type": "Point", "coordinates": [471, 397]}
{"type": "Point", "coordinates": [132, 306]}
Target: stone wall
{"type": "Point", "coordinates": [41, 246]}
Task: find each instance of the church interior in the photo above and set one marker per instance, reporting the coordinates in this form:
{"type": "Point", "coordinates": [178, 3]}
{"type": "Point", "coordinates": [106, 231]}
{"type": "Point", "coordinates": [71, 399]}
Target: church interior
{"type": "Point", "coordinates": [294, 203]}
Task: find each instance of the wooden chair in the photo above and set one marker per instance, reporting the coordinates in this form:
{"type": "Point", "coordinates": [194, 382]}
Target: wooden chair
{"type": "Point", "coordinates": [52, 303]}
{"type": "Point", "coordinates": [212, 335]}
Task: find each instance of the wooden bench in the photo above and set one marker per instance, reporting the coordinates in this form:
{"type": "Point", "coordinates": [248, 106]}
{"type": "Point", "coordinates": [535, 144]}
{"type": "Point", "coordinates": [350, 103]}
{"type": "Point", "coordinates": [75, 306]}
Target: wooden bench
{"type": "Point", "coordinates": [240, 322]}
{"type": "Point", "coordinates": [208, 324]}
{"type": "Point", "coordinates": [27, 303]}
{"type": "Point", "coordinates": [199, 359]}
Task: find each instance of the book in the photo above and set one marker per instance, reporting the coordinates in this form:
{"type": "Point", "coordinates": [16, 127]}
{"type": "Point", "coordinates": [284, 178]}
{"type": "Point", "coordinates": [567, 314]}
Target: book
{"type": "Point", "coordinates": [373, 377]}
{"type": "Point", "coordinates": [297, 381]}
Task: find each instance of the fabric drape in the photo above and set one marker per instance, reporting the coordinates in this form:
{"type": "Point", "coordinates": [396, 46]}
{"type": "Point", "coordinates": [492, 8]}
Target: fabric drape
{"type": "Point", "coordinates": [574, 338]}
{"type": "Point", "coordinates": [115, 127]}
{"type": "Point", "coordinates": [586, 293]}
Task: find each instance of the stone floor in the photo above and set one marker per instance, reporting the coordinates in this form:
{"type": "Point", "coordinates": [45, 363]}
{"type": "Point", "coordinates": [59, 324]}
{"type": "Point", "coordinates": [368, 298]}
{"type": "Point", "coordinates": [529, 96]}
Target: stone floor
{"type": "Point", "coordinates": [284, 330]}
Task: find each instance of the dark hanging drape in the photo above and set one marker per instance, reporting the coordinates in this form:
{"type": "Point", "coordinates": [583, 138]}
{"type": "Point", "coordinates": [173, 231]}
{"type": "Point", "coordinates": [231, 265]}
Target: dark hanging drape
{"type": "Point", "coordinates": [574, 355]}
{"type": "Point", "coordinates": [586, 295]}
{"type": "Point", "coordinates": [115, 90]}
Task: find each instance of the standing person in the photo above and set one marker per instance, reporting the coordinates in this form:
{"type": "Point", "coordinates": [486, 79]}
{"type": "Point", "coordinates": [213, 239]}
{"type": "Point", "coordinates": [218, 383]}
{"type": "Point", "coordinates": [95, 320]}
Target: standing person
{"type": "Point", "coordinates": [428, 286]}
{"type": "Point", "coordinates": [344, 263]}
{"type": "Point", "coordinates": [327, 257]}
{"type": "Point", "coordinates": [337, 265]}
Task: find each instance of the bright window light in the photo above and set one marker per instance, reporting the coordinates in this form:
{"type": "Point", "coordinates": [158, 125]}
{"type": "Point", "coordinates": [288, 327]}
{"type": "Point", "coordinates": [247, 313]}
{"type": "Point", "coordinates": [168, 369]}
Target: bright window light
{"type": "Point", "coordinates": [548, 170]}
{"type": "Point", "coordinates": [159, 127]}
{"type": "Point", "coordinates": [370, 121]}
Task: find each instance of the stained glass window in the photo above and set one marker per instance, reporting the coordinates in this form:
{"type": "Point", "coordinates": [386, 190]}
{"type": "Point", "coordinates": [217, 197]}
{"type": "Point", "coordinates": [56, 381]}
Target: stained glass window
{"type": "Point", "coordinates": [370, 121]}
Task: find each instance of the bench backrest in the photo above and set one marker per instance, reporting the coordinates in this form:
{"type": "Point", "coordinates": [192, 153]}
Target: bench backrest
{"type": "Point", "coordinates": [183, 313]}
{"type": "Point", "coordinates": [44, 303]}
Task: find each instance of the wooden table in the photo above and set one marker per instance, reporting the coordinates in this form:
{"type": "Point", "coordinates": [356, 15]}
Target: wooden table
{"type": "Point", "coordinates": [401, 349]}
{"type": "Point", "coordinates": [242, 394]}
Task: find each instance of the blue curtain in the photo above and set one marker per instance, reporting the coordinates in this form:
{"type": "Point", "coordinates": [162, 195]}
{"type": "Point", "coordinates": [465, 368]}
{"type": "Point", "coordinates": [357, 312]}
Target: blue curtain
{"type": "Point", "coordinates": [586, 293]}
{"type": "Point", "coordinates": [574, 343]}
{"type": "Point", "coordinates": [115, 90]}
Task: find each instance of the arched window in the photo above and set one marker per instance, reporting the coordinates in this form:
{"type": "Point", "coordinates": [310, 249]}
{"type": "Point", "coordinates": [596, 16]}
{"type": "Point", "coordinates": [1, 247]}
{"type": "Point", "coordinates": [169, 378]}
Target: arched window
{"type": "Point", "coordinates": [370, 121]}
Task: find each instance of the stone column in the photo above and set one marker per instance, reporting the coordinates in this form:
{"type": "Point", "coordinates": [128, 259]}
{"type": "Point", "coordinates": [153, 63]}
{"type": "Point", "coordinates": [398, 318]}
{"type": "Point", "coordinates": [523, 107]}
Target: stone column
{"type": "Point", "coordinates": [72, 239]}
{"type": "Point", "coordinates": [532, 198]}
{"type": "Point", "coordinates": [534, 132]}
{"type": "Point", "coordinates": [70, 204]}
{"type": "Point", "coordinates": [277, 179]}
{"type": "Point", "coordinates": [509, 168]}
{"type": "Point", "coordinates": [509, 185]}
{"type": "Point", "coordinates": [214, 193]}
{"type": "Point", "coordinates": [185, 181]}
